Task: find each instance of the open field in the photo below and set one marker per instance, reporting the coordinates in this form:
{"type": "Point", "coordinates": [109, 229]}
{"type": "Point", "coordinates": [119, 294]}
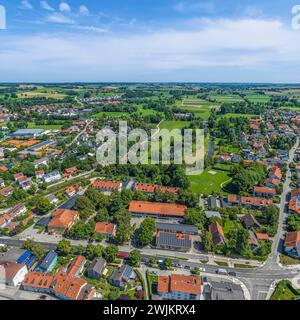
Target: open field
{"type": "Point", "coordinates": [258, 97]}
{"type": "Point", "coordinates": [226, 98]}
{"type": "Point", "coordinates": [170, 125]}
{"type": "Point", "coordinates": [32, 125]}
{"type": "Point", "coordinates": [35, 94]}
{"type": "Point", "coordinates": [207, 182]}
{"type": "Point", "coordinates": [238, 115]}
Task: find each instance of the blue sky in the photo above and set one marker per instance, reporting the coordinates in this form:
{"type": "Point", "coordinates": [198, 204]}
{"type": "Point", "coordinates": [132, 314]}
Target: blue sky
{"type": "Point", "coordinates": [143, 40]}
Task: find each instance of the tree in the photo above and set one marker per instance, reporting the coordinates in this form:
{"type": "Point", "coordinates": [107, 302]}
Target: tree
{"type": "Point", "coordinates": [194, 217]}
{"type": "Point", "coordinates": [124, 230]}
{"type": "Point", "coordinates": [147, 229]}
{"type": "Point", "coordinates": [43, 205]}
{"type": "Point", "coordinates": [93, 251]}
{"type": "Point", "coordinates": [37, 249]}
{"type": "Point", "coordinates": [85, 206]}
{"type": "Point", "coordinates": [102, 215]}
{"type": "Point", "coordinates": [207, 241]}
{"type": "Point", "coordinates": [168, 263]}
{"type": "Point", "coordinates": [64, 247]}
{"type": "Point", "coordinates": [110, 253]}
{"type": "Point", "coordinates": [135, 258]}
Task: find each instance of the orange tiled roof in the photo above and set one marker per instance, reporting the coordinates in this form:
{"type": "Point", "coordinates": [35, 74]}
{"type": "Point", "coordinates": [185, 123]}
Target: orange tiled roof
{"type": "Point", "coordinates": [104, 184]}
{"type": "Point", "coordinates": [262, 236]}
{"type": "Point", "coordinates": [295, 193]}
{"type": "Point", "coordinates": [265, 190]}
{"type": "Point", "coordinates": [293, 206]}
{"type": "Point", "coordinates": [179, 283]}
{"type": "Point", "coordinates": [63, 218]}
{"type": "Point", "coordinates": [216, 228]}
{"type": "Point", "coordinates": [104, 228]}
{"type": "Point", "coordinates": [157, 208]}
{"type": "Point", "coordinates": [75, 265]}
{"type": "Point", "coordinates": [291, 239]}
{"type": "Point", "coordinates": [256, 201]}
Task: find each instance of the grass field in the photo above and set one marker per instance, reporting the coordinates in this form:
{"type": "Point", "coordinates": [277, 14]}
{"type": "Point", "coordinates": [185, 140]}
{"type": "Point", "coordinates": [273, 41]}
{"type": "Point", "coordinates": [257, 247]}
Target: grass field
{"type": "Point", "coordinates": [35, 94]}
{"type": "Point", "coordinates": [238, 115]}
{"type": "Point", "coordinates": [45, 127]}
{"type": "Point", "coordinates": [258, 97]}
{"type": "Point", "coordinates": [226, 98]}
{"type": "Point", "coordinates": [170, 125]}
{"type": "Point", "coordinates": [285, 291]}
{"type": "Point", "coordinates": [206, 183]}
{"type": "Point", "coordinates": [200, 108]}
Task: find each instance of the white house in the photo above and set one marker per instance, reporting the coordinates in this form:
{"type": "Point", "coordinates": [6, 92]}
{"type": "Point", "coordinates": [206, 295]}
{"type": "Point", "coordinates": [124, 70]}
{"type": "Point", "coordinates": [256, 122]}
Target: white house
{"type": "Point", "coordinates": [12, 273]}
{"type": "Point", "coordinates": [52, 177]}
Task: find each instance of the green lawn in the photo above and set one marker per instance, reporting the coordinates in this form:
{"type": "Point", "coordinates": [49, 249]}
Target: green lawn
{"type": "Point", "coordinates": [170, 125]}
{"type": "Point", "coordinates": [238, 115]}
{"type": "Point", "coordinates": [258, 97]}
{"type": "Point", "coordinates": [32, 125]}
{"type": "Point", "coordinates": [286, 260]}
{"type": "Point", "coordinates": [285, 291]}
{"type": "Point", "coordinates": [206, 183]}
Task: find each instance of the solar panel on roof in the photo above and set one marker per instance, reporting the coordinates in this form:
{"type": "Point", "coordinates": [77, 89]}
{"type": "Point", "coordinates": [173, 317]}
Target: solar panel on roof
{"type": "Point", "coordinates": [24, 256]}
{"type": "Point", "coordinates": [30, 261]}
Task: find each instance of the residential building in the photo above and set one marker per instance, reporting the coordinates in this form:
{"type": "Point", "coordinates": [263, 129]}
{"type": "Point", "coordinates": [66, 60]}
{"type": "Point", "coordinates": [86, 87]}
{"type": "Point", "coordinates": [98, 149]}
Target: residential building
{"type": "Point", "coordinates": [52, 177]}
{"type": "Point", "coordinates": [217, 233]}
{"type": "Point", "coordinates": [292, 243]}
{"type": "Point", "coordinates": [179, 287]}
{"type": "Point", "coordinates": [122, 275]}
{"type": "Point", "coordinates": [96, 268]}
{"type": "Point", "coordinates": [48, 262]}
{"type": "Point", "coordinates": [249, 221]}
{"type": "Point", "coordinates": [76, 266]}
{"type": "Point", "coordinates": [173, 241]}
{"type": "Point", "coordinates": [176, 228]}
{"type": "Point", "coordinates": [157, 209]}
{"type": "Point", "coordinates": [105, 228]}
{"type": "Point", "coordinates": [62, 220]}
{"type": "Point", "coordinates": [12, 273]}
{"type": "Point", "coordinates": [264, 192]}
{"type": "Point", "coordinates": [107, 186]}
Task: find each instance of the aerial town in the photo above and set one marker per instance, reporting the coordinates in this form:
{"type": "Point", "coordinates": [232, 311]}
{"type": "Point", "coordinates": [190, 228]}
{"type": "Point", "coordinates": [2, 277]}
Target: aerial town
{"type": "Point", "coordinates": [73, 229]}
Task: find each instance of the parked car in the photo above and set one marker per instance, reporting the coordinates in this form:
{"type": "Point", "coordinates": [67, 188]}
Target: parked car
{"type": "Point", "coordinates": [232, 273]}
{"type": "Point", "coordinates": [222, 272]}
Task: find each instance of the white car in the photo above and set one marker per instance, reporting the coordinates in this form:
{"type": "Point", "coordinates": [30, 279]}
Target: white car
{"type": "Point", "coordinates": [202, 269]}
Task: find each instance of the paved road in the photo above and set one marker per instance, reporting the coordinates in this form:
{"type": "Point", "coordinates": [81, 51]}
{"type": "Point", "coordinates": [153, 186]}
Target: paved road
{"type": "Point", "coordinates": [277, 246]}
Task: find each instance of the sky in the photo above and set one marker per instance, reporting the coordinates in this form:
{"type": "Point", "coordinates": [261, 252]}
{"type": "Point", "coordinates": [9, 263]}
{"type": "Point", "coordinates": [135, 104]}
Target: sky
{"type": "Point", "coordinates": [150, 41]}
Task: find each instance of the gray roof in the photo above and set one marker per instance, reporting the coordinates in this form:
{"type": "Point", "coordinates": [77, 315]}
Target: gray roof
{"type": "Point", "coordinates": [221, 290]}
{"type": "Point", "coordinates": [183, 228]}
{"type": "Point", "coordinates": [173, 240]}
{"type": "Point", "coordinates": [124, 271]}
{"type": "Point", "coordinates": [97, 265]}
{"type": "Point", "coordinates": [210, 214]}
{"type": "Point", "coordinates": [47, 261]}
{"type": "Point", "coordinates": [42, 144]}
{"type": "Point", "coordinates": [27, 132]}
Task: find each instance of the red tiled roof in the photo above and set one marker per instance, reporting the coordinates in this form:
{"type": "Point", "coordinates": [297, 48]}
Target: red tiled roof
{"type": "Point", "coordinates": [157, 208]}
{"type": "Point", "coordinates": [104, 228]}
{"type": "Point", "coordinates": [179, 283]}
{"type": "Point", "coordinates": [256, 201]}
{"type": "Point", "coordinates": [262, 236]}
{"type": "Point", "coordinates": [293, 206]}
{"type": "Point", "coordinates": [75, 265]}
{"type": "Point", "coordinates": [63, 218]}
{"type": "Point", "coordinates": [295, 193]}
{"type": "Point", "coordinates": [104, 184]}
{"type": "Point", "coordinates": [292, 239]}
{"type": "Point", "coordinates": [265, 190]}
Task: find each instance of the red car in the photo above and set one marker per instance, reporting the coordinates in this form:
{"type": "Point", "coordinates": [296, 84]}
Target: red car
{"type": "Point", "coordinates": [122, 255]}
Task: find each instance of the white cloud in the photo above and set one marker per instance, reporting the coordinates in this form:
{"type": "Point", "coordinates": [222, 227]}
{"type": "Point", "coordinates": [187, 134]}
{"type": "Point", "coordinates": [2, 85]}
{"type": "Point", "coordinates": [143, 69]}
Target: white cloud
{"type": "Point", "coordinates": [64, 7]}
{"type": "Point", "coordinates": [245, 46]}
{"type": "Point", "coordinates": [84, 10]}
{"type": "Point", "coordinates": [45, 5]}
{"type": "Point", "coordinates": [91, 28]}
{"type": "Point", "coordinates": [59, 18]}
{"type": "Point", "coordinates": [26, 5]}
{"type": "Point", "coordinates": [189, 6]}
